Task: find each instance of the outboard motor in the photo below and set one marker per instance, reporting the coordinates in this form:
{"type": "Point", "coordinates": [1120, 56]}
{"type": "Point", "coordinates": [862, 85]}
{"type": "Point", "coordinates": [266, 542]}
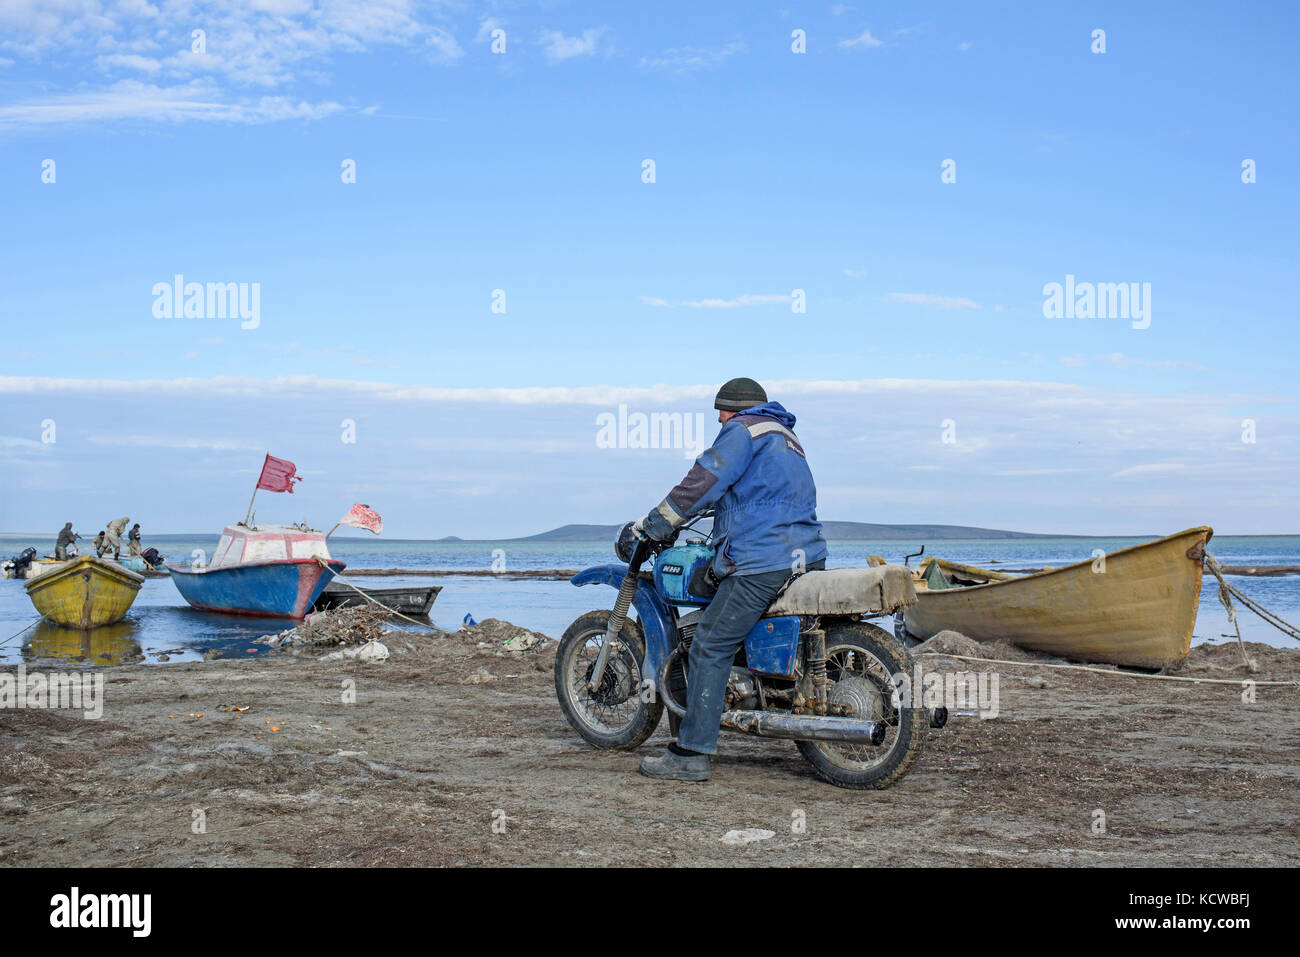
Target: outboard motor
{"type": "Point", "coordinates": [152, 557]}
{"type": "Point", "coordinates": [22, 561]}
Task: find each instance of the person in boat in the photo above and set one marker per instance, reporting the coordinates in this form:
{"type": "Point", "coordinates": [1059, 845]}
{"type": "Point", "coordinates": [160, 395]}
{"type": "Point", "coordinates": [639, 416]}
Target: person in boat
{"type": "Point", "coordinates": [765, 526]}
{"type": "Point", "coordinates": [66, 538]}
{"type": "Point", "coordinates": [99, 544]}
{"type": "Point", "coordinates": [114, 535]}
{"type": "Point", "coordinates": [134, 539]}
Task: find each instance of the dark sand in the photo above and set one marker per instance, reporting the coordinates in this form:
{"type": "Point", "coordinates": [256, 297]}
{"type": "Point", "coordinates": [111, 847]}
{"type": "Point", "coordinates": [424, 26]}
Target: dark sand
{"type": "Point", "coordinates": [445, 735]}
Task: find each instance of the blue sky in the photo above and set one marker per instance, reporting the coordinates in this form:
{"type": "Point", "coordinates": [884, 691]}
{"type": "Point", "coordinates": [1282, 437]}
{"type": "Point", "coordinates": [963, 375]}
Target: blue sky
{"type": "Point", "coordinates": [774, 172]}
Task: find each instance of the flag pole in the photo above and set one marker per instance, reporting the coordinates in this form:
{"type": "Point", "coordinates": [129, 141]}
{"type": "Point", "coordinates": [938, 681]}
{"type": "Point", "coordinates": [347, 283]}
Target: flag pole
{"type": "Point", "coordinates": [249, 517]}
{"type": "Point", "coordinates": [332, 530]}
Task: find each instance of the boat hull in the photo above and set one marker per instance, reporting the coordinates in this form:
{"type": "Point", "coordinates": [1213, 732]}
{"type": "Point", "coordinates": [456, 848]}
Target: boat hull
{"type": "Point", "coordinates": [415, 600]}
{"type": "Point", "coordinates": [274, 589]}
{"type": "Point", "coordinates": [85, 592]}
{"type": "Point", "coordinates": [1138, 612]}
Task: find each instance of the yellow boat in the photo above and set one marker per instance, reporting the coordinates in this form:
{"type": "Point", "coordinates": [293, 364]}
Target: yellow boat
{"type": "Point", "coordinates": [86, 592]}
{"type": "Point", "coordinates": [1137, 607]}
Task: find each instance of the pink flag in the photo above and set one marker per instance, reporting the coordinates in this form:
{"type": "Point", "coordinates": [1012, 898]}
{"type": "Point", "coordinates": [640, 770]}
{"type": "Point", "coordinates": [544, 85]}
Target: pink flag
{"type": "Point", "coordinates": [363, 516]}
{"type": "Point", "coordinates": [278, 475]}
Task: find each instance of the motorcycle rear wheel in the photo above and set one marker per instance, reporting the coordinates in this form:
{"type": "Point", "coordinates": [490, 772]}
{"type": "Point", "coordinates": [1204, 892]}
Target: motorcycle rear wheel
{"type": "Point", "coordinates": [869, 655]}
{"type": "Point", "coordinates": [616, 715]}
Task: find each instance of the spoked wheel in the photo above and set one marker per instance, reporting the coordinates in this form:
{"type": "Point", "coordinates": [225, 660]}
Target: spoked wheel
{"type": "Point", "coordinates": [860, 661]}
{"type": "Point", "coordinates": [616, 714]}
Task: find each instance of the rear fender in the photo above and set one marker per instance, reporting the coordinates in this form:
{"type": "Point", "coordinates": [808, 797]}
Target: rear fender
{"type": "Point", "coordinates": [657, 619]}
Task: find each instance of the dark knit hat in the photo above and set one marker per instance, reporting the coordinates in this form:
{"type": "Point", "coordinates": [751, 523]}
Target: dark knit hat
{"type": "Point", "coordinates": [739, 395]}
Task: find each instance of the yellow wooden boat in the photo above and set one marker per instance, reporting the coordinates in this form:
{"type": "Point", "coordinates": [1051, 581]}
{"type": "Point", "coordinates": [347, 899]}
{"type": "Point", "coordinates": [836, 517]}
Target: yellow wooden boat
{"type": "Point", "coordinates": [86, 592]}
{"type": "Point", "coordinates": [1135, 608]}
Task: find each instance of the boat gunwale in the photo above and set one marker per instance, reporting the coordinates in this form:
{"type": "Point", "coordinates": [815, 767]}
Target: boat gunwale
{"type": "Point", "coordinates": [1209, 533]}
{"type": "Point", "coordinates": [175, 567]}
{"type": "Point", "coordinates": [123, 576]}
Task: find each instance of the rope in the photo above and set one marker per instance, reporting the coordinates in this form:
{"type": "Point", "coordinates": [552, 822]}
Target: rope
{"type": "Point", "coordinates": [1107, 671]}
{"type": "Point", "coordinates": [1227, 589]}
{"type": "Point", "coordinates": [374, 601]}
{"type": "Point", "coordinates": [36, 622]}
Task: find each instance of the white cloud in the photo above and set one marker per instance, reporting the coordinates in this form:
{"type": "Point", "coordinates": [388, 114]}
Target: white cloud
{"type": "Point", "coordinates": [746, 300]}
{"type": "Point", "coordinates": [749, 299]}
{"type": "Point", "coordinates": [262, 45]}
{"type": "Point", "coordinates": [559, 47]}
{"type": "Point", "coordinates": [132, 100]}
{"type": "Point", "coordinates": [485, 28]}
{"type": "Point", "coordinates": [939, 302]}
{"type": "Point", "coordinates": [173, 442]}
{"type": "Point", "coordinates": [863, 39]}
{"type": "Point", "coordinates": [444, 45]}
{"type": "Point", "coordinates": [1154, 467]}
{"type": "Point", "coordinates": [687, 59]}
{"type": "Point", "coordinates": [1121, 361]}
{"type": "Point", "coordinates": [130, 60]}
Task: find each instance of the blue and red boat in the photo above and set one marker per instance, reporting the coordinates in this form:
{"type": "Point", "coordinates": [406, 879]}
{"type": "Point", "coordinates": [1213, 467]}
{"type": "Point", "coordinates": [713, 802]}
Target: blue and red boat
{"type": "Point", "coordinates": [269, 570]}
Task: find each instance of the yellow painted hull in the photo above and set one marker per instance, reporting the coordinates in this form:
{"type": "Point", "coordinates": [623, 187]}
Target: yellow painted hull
{"type": "Point", "coordinates": [1139, 611]}
{"type": "Point", "coordinates": [85, 592]}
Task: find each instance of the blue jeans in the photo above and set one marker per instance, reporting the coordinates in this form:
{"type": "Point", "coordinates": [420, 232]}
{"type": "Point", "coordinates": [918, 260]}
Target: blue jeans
{"type": "Point", "coordinates": [735, 609]}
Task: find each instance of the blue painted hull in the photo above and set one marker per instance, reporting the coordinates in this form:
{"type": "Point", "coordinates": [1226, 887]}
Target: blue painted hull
{"type": "Point", "coordinates": [279, 589]}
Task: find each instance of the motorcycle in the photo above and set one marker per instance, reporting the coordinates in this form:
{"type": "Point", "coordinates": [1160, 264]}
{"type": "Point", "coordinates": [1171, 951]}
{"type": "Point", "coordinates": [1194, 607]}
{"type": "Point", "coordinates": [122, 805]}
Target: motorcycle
{"type": "Point", "coordinates": [814, 670]}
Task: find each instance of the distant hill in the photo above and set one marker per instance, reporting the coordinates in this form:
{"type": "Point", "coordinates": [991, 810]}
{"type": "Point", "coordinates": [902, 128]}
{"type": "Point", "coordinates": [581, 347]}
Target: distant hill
{"type": "Point", "coordinates": [836, 531]}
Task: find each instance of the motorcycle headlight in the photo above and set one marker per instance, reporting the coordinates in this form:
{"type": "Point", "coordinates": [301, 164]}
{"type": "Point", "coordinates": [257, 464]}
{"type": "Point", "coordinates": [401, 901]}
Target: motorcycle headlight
{"type": "Point", "coordinates": [625, 544]}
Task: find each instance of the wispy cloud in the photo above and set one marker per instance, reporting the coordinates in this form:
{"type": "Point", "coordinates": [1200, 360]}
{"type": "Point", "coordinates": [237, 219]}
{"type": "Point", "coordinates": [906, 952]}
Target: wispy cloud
{"type": "Point", "coordinates": [938, 302]}
{"type": "Point", "coordinates": [174, 442]}
{"type": "Point", "coordinates": [1121, 361]}
{"type": "Point", "coordinates": [863, 39]}
{"type": "Point", "coordinates": [558, 47]}
{"type": "Point", "coordinates": [749, 299]}
{"type": "Point", "coordinates": [132, 100]}
{"type": "Point", "coordinates": [689, 59]}
{"type": "Point", "coordinates": [153, 67]}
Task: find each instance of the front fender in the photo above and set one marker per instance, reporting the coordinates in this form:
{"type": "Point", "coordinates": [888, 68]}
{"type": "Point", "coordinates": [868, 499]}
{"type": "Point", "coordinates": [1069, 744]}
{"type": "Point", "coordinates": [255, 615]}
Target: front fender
{"type": "Point", "coordinates": [657, 619]}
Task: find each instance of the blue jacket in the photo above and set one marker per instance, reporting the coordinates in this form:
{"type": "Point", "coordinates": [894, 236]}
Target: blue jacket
{"type": "Point", "coordinates": [758, 481]}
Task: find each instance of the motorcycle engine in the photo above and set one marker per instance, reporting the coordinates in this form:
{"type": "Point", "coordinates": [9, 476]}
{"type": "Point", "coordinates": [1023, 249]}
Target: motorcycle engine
{"type": "Point", "coordinates": [742, 692]}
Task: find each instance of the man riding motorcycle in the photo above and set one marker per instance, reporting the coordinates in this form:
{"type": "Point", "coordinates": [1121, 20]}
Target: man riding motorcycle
{"type": "Point", "coordinates": [757, 480]}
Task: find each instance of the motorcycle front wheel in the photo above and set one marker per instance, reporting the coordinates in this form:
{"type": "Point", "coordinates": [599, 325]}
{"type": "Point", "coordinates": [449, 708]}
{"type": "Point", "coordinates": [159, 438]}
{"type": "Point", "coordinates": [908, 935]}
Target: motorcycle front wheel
{"type": "Point", "coordinates": [863, 658]}
{"type": "Point", "coordinates": [624, 710]}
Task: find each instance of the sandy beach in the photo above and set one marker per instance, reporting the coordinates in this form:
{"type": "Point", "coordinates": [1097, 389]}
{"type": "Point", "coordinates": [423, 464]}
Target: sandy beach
{"type": "Point", "coordinates": [446, 739]}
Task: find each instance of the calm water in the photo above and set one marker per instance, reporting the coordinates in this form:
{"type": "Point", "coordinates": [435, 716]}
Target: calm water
{"type": "Point", "coordinates": [161, 621]}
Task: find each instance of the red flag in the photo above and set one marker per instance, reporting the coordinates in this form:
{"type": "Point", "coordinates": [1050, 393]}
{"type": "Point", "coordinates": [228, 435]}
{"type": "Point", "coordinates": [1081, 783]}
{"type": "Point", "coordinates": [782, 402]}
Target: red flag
{"type": "Point", "coordinates": [278, 475]}
{"type": "Point", "coordinates": [363, 516]}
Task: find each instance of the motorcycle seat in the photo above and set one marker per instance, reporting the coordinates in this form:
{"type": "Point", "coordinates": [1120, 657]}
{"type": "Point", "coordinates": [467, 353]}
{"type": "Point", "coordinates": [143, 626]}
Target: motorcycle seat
{"type": "Point", "coordinates": [880, 590]}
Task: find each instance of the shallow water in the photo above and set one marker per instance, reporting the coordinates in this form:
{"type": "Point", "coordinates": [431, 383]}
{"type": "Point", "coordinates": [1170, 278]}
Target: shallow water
{"type": "Point", "coordinates": [161, 621]}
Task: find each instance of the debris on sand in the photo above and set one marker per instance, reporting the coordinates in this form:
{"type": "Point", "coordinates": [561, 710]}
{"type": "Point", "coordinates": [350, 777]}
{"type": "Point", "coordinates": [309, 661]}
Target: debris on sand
{"type": "Point", "coordinates": [950, 643]}
{"type": "Point", "coordinates": [747, 835]}
{"type": "Point", "coordinates": [353, 626]}
{"type": "Point", "coordinates": [502, 636]}
{"type": "Point", "coordinates": [370, 651]}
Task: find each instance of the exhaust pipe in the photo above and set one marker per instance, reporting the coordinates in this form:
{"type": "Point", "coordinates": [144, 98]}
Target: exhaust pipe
{"type": "Point", "coordinates": [804, 727]}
